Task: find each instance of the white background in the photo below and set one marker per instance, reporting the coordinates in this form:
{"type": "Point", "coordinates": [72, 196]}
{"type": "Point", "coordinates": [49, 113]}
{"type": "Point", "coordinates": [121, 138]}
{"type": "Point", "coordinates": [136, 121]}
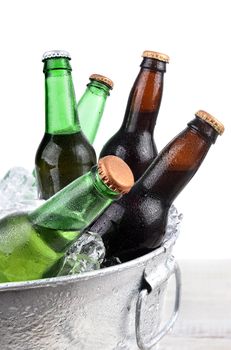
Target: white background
{"type": "Point", "coordinates": [108, 37]}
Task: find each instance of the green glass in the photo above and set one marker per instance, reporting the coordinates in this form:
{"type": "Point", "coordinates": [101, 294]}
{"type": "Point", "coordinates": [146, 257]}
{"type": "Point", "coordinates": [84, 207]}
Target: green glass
{"type": "Point", "coordinates": [60, 102]}
{"type": "Point", "coordinates": [64, 153]}
{"type": "Point", "coordinates": [33, 245]}
{"type": "Point", "coordinates": [91, 107]}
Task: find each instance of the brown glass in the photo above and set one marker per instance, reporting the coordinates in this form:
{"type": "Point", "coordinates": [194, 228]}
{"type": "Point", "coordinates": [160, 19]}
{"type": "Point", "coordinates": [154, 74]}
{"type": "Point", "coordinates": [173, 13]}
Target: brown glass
{"type": "Point", "coordinates": [135, 224]}
{"type": "Point", "coordinates": [61, 159]}
{"type": "Point", "coordinates": [134, 142]}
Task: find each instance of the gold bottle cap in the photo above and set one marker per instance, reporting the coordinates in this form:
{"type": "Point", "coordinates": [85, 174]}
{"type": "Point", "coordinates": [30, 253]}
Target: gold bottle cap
{"type": "Point", "coordinates": [102, 79]}
{"type": "Point", "coordinates": [116, 174]}
{"type": "Point", "coordinates": [156, 55]}
{"type": "Point", "coordinates": [208, 118]}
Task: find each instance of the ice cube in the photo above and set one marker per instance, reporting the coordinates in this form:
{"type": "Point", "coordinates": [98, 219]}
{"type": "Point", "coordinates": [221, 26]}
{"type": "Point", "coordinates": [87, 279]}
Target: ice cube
{"type": "Point", "coordinates": [18, 185]}
{"type": "Point", "coordinates": [18, 192]}
{"type": "Point", "coordinates": [112, 261]}
{"type": "Point", "coordinates": [173, 224]}
{"type": "Point", "coordinates": [86, 254]}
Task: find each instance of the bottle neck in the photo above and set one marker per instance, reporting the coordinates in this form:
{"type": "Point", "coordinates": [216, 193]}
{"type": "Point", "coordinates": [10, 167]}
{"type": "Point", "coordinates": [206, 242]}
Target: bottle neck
{"type": "Point", "coordinates": [145, 97]}
{"type": "Point", "coordinates": [76, 205]}
{"type": "Point", "coordinates": [95, 96]}
{"type": "Point", "coordinates": [60, 102]}
{"type": "Point", "coordinates": [98, 89]}
{"type": "Point", "coordinates": [178, 162]}
{"type": "Point", "coordinates": [91, 107]}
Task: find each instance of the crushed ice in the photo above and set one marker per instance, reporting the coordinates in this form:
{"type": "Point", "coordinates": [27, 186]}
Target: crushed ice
{"type": "Point", "coordinates": [173, 224]}
{"type": "Point", "coordinates": [86, 254]}
{"type": "Point", "coordinates": [18, 191]}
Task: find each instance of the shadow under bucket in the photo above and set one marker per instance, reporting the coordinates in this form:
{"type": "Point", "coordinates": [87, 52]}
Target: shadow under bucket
{"type": "Point", "coordinates": [115, 308]}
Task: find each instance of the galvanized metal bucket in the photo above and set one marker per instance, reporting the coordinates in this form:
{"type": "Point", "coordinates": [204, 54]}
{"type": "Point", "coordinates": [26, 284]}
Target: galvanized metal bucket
{"type": "Point", "coordinates": [116, 308]}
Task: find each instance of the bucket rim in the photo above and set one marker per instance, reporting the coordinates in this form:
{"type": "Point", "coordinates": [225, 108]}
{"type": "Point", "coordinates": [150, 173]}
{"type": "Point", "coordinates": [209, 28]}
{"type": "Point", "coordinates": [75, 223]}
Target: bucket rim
{"type": "Point", "coordinates": [61, 280]}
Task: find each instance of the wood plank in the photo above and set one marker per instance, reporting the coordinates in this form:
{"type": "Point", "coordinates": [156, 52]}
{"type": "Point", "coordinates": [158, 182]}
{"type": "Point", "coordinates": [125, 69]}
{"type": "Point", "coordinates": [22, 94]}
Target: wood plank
{"type": "Point", "coordinates": [188, 343]}
{"type": "Point", "coordinates": [204, 322]}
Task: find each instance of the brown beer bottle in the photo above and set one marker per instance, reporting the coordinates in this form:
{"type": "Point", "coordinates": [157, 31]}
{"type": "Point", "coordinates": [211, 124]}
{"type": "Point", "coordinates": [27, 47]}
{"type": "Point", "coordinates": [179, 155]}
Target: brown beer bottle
{"type": "Point", "coordinates": [135, 224]}
{"type": "Point", "coordinates": [134, 141]}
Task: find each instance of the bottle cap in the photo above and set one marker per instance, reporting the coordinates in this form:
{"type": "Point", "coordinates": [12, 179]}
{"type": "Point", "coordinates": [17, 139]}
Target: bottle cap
{"type": "Point", "coordinates": [116, 174]}
{"type": "Point", "coordinates": [208, 118]}
{"type": "Point", "coordinates": [55, 54]}
{"type": "Point", "coordinates": [102, 79]}
{"type": "Point", "coordinates": [156, 55]}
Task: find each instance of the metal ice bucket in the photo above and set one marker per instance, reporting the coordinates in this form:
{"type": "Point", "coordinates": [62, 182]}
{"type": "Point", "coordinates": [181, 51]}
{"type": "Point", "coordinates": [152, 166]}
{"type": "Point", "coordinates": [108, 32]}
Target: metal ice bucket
{"type": "Point", "coordinates": [116, 308]}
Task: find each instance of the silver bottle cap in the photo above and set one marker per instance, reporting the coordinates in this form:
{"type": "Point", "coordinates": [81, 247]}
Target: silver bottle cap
{"type": "Point", "coordinates": [55, 53]}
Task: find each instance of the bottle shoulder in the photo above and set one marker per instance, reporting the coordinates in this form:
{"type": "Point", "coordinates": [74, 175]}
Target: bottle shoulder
{"type": "Point", "coordinates": [74, 146]}
{"type": "Point", "coordinates": [138, 151]}
{"type": "Point", "coordinates": [141, 142]}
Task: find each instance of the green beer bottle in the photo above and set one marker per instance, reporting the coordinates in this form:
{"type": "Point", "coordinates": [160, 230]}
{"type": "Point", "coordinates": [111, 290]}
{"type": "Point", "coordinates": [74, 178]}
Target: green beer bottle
{"type": "Point", "coordinates": [33, 245]}
{"type": "Point", "coordinates": [64, 153]}
{"type": "Point", "coordinates": [92, 103]}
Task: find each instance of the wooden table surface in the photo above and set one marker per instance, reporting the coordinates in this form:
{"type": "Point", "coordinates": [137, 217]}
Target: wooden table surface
{"type": "Point", "coordinates": [204, 322]}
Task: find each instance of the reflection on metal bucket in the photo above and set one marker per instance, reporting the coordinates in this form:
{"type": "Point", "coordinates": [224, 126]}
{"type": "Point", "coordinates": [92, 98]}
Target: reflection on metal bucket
{"type": "Point", "coordinates": [116, 308]}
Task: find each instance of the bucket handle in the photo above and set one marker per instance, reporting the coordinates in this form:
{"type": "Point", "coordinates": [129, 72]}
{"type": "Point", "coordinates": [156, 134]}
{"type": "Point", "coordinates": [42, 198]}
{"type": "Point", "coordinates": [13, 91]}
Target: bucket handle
{"type": "Point", "coordinates": [142, 298]}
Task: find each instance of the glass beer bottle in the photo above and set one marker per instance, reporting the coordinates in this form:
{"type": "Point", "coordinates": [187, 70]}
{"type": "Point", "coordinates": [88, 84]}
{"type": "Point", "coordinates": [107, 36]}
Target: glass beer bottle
{"type": "Point", "coordinates": [33, 245]}
{"type": "Point", "coordinates": [92, 103]}
{"type": "Point", "coordinates": [136, 224]}
{"type": "Point", "coordinates": [134, 142]}
{"type": "Point", "coordinates": [64, 153]}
